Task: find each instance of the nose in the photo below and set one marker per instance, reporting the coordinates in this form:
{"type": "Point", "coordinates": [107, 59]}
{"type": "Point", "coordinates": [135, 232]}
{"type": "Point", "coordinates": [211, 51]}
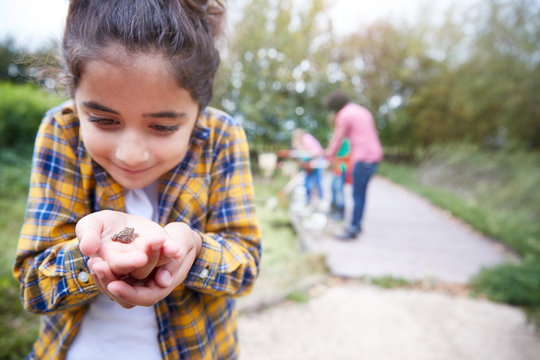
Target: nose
{"type": "Point", "coordinates": [132, 149]}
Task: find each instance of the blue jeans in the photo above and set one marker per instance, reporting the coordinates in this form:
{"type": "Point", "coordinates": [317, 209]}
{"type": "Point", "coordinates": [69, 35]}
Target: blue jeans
{"type": "Point", "coordinates": [362, 172]}
{"type": "Point", "coordinates": [313, 179]}
{"type": "Point", "coordinates": [337, 204]}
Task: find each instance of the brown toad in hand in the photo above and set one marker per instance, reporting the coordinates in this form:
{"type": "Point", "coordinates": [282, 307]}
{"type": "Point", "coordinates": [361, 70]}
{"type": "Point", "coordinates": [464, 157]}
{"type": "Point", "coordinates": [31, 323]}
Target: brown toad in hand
{"type": "Point", "coordinates": [126, 236]}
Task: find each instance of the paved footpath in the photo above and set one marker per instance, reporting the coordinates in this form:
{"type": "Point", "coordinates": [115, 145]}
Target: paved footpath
{"type": "Point", "coordinates": [404, 237]}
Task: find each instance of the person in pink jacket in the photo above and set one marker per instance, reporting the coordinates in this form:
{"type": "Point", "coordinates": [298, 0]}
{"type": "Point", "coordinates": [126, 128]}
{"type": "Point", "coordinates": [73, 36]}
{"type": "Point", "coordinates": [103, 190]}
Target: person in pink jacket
{"type": "Point", "coordinates": [309, 150]}
{"type": "Point", "coordinates": [356, 123]}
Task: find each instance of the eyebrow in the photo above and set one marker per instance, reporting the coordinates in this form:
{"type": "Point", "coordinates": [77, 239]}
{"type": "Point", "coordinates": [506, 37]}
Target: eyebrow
{"type": "Point", "coordinates": [158, 115]}
{"type": "Point", "coordinates": [165, 114]}
{"type": "Point", "coordinates": [94, 105]}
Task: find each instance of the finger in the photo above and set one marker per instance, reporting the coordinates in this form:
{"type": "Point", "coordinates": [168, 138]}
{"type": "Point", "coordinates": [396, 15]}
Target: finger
{"type": "Point", "coordinates": [146, 295]}
{"type": "Point", "coordinates": [163, 276]}
{"type": "Point", "coordinates": [120, 301]}
{"type": "Point", "coordinates": [153, 254]}
{"type": "Point", "coordinates": [97, 281]}
{"type": "Point", "coordinates": [171, 249]}
{"type": "Point", "coordinates": [125, 263]}
{"type": "Point", "coordinates": [176, 270]}
{"type": "Point", "coordinates": [102, 286]}
{"type": "Point", "coordinates": [102, 270]}
{"type": "Point", "coordinates": [102, 277]}
{"type": "Point", "coordinates": [88, 231]}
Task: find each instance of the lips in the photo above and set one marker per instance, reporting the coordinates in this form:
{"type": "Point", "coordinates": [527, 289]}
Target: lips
{"type": "Point", "coordinates": [133, 171]}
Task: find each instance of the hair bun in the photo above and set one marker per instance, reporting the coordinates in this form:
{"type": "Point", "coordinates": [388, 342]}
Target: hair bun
{"type": "Point", "coordinates": [210, 11]}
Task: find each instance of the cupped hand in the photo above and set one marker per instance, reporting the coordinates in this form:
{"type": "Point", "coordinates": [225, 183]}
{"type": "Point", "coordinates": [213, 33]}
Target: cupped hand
{"type": "Point", "coordinates": [137, 258]}
{"type": "Point", "coordinates": [169, 274]}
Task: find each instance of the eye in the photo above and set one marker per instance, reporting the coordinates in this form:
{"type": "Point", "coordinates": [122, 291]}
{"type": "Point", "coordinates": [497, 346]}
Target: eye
{"type": "Point", "coordinates": [102, 122]}
{"type": "Point", "coordinates": [164, 129]}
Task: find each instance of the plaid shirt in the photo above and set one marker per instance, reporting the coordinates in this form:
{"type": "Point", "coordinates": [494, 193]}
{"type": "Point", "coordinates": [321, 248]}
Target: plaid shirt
{"type": "Point", "coordinates": [211, 189]}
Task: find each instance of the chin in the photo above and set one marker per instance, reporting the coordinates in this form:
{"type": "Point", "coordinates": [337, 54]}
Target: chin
{"type": "Point", "coordinates": [132, 183]}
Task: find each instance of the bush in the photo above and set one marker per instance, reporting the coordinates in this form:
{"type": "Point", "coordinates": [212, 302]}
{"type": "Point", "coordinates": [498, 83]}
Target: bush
{"type": "Point", "coordinates": [21, 109]}
{"type": "Point", "coordinates": [516, 284]}
{"type": "Point", "coordinates": [18, 329]}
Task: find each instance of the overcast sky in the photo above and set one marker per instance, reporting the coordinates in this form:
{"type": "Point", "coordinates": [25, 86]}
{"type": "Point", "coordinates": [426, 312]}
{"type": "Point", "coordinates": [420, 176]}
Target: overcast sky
{"type": "Point", "coordinates": [33, 22]}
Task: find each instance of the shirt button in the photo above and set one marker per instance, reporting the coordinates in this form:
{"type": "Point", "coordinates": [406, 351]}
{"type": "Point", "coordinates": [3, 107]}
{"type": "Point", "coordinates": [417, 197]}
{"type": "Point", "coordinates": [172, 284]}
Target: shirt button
{"type": "Point", "coordinates": [83, 277]}
{"type": "Point", "coordinates": [204, 273]}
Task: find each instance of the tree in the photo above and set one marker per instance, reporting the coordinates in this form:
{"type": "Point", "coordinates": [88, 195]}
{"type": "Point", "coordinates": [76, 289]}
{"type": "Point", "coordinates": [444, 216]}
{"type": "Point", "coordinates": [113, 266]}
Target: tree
{"type": "Point", "coordinates": [473, 77]}
{"type": "Point", "coordinates": [9, 70]}
{"type": "Point", "coordinates": [507, 58]}
{"type": "Point", "coordinates": [272, 74]}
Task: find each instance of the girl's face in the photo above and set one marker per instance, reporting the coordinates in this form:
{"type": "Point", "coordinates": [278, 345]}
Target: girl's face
{"type": "Point", "coordinates": [136, 122]}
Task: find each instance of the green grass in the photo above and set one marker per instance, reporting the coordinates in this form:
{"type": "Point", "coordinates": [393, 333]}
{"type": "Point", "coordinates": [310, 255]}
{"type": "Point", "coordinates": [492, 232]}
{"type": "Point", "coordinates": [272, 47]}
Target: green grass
{"type": "Point", "coordinates": [283, 265]}
{"type": "Point", "coordinates": [497, 193]}
{"type": "Point", "coordinates": [389, 282]}
{"type": "Point", "coordinates": [18, 329]}
{"type": "Point", "coordinates": [21, 109]}
{"type": "Point", "coordinates": [299, 296]}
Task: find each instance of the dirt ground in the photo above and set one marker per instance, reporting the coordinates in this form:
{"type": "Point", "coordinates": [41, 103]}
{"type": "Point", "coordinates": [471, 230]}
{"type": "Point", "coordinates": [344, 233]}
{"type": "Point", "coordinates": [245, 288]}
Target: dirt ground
{"type": "Point", "coordinates": [353, 320]}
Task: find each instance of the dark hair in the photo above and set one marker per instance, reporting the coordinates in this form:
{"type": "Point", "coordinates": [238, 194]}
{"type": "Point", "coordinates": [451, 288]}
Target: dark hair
{"type": "Point", "coordinates": [336, 101]}
{"type": "Point", "coordinates": [182, 31]}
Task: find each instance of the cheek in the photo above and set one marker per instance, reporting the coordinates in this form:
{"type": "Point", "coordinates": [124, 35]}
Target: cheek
{"type": "Point", "coordinates": [97, 144]}
{"type": "Point", "coordinates": [172, 152]}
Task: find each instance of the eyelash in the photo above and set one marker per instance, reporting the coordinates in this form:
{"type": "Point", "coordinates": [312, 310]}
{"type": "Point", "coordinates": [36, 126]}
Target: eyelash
{"type": "Point", "coordinates": [165, 129]}
{"type": "Point", "coordinates": [101, 121]}
{"type": "Point", "coordinates": [109, 123]}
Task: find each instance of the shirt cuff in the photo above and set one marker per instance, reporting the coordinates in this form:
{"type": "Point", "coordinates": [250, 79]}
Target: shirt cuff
{"type": "Point", "coordinates": [204, 272]}
{"type": "Point", "coordinates": [77, 273]}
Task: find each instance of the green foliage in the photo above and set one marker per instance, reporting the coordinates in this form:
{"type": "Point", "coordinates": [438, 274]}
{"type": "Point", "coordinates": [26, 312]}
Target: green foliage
{"type": "Point", "coordinates": [516, 284]}
{"type": "Point", "coordinates": [473, 77]}
{"type": "Point", "coordinates": [497, 191]}
{"type": "Point", "coordinates": [283, 265]}
{"type": "Point", "coordinates": [9, 54]}
{"type": "Point", "coordinates": [272, 77]}
{"type": "Point", "coordinates": [507, 64]}
{"type": "Point", "coordinates": [18, 65]}
{"type": "Point", "coordinates": [299, 296]}
{"type": "Point", "coordinates": [389, 282]}
{"type": "Point", "coordinates": [18, 328]}
{"type": "Point", "coordinates": [21, 109]}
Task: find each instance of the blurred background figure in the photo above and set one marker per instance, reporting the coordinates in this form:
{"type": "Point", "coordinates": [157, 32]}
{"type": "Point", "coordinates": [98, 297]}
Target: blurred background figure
{"type": "Point", "coordinates": [311, 156]}
{"type": "Point", "coordinates": [340, 171]}
{"type": "Point", "coordinates": [356, 123]}
{"type": "Point", "coordinates": [267, 163]}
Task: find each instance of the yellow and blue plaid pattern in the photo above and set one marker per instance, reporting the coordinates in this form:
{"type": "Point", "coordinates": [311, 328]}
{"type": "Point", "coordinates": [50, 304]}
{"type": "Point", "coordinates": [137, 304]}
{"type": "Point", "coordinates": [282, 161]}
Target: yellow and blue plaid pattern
{"type": "Point", "coordinates": [211, 189]}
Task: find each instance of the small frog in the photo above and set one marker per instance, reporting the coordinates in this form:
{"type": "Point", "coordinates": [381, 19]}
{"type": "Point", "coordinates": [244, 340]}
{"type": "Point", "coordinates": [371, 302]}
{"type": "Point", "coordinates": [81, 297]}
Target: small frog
{"type": "Point", "coordinates": [126, 236]}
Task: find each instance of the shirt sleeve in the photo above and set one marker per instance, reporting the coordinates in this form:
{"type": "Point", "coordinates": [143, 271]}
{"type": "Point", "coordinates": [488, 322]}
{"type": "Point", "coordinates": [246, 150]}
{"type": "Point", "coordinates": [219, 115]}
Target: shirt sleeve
{"type": "Point", "coordinates": [228, 263]}
{"type": "Point", "coordinates": [51, 270]}
{"type": "Point", "coordinates": [339, 133]}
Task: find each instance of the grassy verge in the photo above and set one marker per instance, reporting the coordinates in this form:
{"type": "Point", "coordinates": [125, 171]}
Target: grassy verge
{"type": "Point", "coordinates": [496, 193]}
{"type": "Point", "coordinates": [18, 329]}
{"type": "Point", "coordinates": [283, 266]}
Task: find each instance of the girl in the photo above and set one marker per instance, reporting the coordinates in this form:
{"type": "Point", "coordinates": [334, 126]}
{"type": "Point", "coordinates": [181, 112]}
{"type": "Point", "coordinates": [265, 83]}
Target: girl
{"type": "Point", "coordinates": [311, 153]}
{"type": "Point", "coordinates": [137, 155]}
